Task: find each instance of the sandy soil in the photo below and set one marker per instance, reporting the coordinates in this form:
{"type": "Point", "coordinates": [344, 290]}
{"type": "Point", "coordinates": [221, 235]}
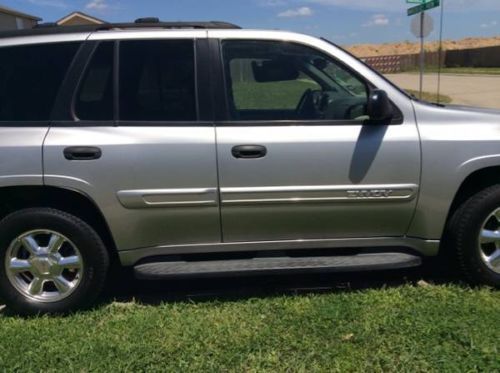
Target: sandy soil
{"type": "Point", "coordinates": [367, 50]}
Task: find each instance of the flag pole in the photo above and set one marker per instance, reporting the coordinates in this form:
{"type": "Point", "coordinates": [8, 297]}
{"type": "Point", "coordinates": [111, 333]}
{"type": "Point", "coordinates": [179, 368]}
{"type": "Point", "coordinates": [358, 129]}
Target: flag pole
{"type": "Point", "coordinates": [440, 63]}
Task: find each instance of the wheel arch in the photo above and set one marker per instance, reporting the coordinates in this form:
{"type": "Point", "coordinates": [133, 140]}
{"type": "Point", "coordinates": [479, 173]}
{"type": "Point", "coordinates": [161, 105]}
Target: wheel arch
{"type": "Point", "coordinates": [75, 202]}
{"type": "Point", "coordinates": [473, 183]}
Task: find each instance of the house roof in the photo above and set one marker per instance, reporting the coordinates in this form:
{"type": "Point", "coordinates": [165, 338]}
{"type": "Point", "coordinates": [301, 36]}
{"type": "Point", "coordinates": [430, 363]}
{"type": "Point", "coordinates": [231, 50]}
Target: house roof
{"type": "Point", "coordinates": [80, 15]}
{"type": "Point", "coordinates": [4, 9]}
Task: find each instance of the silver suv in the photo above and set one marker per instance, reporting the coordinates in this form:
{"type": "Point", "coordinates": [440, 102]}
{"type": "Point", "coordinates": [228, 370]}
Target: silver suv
{"type": "Point", "coordinates": [201, 149]}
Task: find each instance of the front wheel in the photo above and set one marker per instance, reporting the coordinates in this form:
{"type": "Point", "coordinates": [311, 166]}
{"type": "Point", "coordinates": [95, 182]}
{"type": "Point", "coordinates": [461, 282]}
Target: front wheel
{"type": "Point", "coordinates": [50, 262]}
{"type": "Point", "coordinates": [475, 236]}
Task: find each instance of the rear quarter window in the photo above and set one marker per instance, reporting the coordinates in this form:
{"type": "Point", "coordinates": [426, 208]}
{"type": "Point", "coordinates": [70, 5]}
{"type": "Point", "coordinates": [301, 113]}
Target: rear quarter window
{"type": "Point", "coordinates": [30, 78]}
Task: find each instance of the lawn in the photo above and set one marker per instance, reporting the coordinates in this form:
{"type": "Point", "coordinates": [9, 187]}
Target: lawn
{"type": "Point", "coordinates": [286, 95]}
{"type": "Point", "coordinates": [431, 97]}
{"type": "Point", "coordinates": [401, 329]}
{"type": "Point", "coordinates": [272, 95]}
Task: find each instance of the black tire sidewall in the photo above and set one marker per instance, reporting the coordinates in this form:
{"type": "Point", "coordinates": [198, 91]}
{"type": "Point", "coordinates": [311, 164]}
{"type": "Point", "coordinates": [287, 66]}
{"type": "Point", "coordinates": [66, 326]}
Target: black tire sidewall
{"type": "Point", "coordinates": [89, 244]}
{"type": "Point", "coordinates": [466, 228]}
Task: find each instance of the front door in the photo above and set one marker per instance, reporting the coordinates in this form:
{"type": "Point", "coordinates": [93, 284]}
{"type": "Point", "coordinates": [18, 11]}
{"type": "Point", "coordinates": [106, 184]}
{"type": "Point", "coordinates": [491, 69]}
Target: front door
{"type": "Point", "coordinates": [296, 158]}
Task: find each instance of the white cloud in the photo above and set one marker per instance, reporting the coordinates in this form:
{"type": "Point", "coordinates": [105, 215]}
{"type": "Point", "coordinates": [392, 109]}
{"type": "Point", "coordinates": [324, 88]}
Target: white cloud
{"type": "Point", "coordinates": [97, 5]}
{"type": "Point", "coordinates": [304, 11]}
{"type": "Point", "coordinates": [51, 3]}
{"type": "Point", "coordinates": [377, 20]}
{"type": "Point", "coordinates": [489, 24]}
{"type": "Point", "coordinates": [400, 6]}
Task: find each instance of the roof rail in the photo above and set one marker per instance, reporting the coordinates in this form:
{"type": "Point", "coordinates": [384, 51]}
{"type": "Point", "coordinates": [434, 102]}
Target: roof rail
{"type": "Point", "coordinates": [147, 20]}
{"type": "Point", "coordinates": [45, 24]}
{"type": "Point", "coordinates": [141, 23]}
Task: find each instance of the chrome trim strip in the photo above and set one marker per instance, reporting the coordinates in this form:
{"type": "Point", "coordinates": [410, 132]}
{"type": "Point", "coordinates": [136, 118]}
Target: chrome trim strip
{"type": "Point", "coordinates": [317, 194]}
{"type": "Point", "coordinates": [155, 198]}
{"type": "Point", "coordinates": [425, 247]}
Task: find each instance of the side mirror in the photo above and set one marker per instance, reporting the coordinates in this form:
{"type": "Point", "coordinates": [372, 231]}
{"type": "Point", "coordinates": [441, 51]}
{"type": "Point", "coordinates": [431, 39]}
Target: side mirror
{"type": "Point", "coordinates": [379, 108]}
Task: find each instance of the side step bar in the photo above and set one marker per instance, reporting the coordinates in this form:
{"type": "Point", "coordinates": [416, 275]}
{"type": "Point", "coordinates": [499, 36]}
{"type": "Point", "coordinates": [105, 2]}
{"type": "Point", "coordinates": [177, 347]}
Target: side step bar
{"type": "Point", "coordinates": [273, 265]}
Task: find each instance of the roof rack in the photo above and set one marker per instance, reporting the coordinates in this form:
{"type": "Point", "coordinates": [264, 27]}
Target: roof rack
{"type": "Point", "coordinates": [141, 23]}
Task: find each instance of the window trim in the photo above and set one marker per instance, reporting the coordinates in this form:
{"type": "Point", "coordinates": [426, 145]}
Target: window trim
{"type": "Point", "coordinates": [116, 81]}
{"type": "Point", "coordinates": [225, 120]}
{"type": "Point", "coordinates": [219, 94]}
{"type": "Point", "coordinates": [102, 123]}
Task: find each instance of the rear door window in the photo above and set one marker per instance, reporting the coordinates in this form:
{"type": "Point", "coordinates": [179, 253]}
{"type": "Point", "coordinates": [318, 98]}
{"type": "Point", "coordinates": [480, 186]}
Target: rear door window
{"type": "Point", "coordinates": [157, 80]}
{"type": "Point", "coordinates": [30, 78]}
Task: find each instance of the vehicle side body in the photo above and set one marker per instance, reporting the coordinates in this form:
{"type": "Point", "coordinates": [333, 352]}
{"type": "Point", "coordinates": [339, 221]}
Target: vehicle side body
{"type": "Point", "coordinates": [165, 188]}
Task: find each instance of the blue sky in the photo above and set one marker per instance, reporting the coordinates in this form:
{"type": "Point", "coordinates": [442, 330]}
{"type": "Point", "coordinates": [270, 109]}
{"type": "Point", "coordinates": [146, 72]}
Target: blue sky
{"type": "Point", "coordinates": [343, 21]}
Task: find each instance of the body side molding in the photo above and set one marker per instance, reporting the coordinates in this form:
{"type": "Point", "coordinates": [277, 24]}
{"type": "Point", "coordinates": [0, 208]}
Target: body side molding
{"type": "Point", "coordinates": [319, 194]}
{"type": "Point", "coordinates": [154, 198]}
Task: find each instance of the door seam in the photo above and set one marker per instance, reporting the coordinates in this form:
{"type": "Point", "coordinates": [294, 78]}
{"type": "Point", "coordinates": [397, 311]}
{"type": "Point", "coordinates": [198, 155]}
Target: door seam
{"type": "Point", "coordinates": [43, 153]}
{"type": "Point", "coordinates": [218, 184]}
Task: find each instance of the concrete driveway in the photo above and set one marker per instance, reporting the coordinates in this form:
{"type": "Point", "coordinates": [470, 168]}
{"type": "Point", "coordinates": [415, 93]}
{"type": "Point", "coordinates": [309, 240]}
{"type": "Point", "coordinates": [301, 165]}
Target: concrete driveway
{"type": "Point", "coordinates": [473, 90]}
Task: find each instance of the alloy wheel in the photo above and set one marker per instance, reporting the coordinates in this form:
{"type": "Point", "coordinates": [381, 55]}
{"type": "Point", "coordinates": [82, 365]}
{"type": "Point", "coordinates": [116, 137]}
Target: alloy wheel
{"type": "Point", "coordinates": [44, 265]}
{"type": "Point", "coordinates": [489, 241]}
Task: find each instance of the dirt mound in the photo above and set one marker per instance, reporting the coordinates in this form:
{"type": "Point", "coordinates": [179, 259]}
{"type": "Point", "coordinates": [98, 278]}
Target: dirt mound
{"type": "Point", "coordinates": [388, 49]}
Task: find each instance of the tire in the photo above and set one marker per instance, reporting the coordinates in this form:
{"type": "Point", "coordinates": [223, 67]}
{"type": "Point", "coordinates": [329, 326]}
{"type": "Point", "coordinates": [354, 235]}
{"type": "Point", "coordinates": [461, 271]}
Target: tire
{"type": "Point", "coordinates": [73, 255]}
{"type": "Point", "coordinates": [466, 227]}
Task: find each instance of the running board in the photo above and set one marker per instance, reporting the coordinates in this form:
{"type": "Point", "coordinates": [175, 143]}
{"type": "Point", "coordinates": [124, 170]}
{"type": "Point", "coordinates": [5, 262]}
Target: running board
{"type": "Point", "coordinates": [273, 265]}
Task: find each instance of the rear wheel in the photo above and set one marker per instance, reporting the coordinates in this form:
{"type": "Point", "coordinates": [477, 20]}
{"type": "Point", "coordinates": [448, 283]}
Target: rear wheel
{"type": "Point", "coordinates": [51, 262]}
{"type": "Point", "coordinates": [475, 236]}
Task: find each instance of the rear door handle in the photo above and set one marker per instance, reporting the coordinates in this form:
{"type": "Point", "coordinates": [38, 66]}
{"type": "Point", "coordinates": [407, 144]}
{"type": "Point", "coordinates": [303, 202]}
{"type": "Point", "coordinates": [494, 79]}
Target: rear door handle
{"type": "Point", "coordinates": [249, 151]}
{"type": "Point", "coordinates": [82, 153]}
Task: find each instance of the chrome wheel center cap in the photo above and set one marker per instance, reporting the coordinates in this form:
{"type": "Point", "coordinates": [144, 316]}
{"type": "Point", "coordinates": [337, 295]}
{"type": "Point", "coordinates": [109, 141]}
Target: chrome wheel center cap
{"type": "Point", "coordinates": [43, 264]}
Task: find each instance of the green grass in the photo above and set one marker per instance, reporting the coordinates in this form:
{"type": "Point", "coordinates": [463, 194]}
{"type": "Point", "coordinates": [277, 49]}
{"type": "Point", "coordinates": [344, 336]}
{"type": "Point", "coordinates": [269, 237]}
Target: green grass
{"type": "Point", "coordinates": [403, 329]}
{"type": "Point", "coordinates": [462, 70]}
{"type": "Point", "coordinates": [273, 95]}
{"type": "Point", "coordinates": [431, 97]}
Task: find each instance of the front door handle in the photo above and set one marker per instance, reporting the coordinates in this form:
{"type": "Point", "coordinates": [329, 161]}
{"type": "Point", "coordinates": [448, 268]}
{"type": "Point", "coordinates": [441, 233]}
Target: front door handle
{"type": "Point", "coordinates": [249, 151]}
{"type": "Point", "coordinates": [82, 153]}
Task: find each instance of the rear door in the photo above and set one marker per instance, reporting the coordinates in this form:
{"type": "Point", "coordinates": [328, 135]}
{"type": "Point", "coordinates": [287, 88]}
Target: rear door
{"type": "Point", "coordinates": [137, 139]}
{"type": "Point", "coordinates": [297, 157]}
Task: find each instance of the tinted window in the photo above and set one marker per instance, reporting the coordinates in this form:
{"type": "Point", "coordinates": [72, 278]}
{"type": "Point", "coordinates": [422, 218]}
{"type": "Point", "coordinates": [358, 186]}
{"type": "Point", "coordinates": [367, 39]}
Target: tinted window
{"type": "Point", "coordinates": [157, 80]}
{"type": "Point", "coordinates": [248, 94]}
{"type": "Point", "coordinates": [285, 81]}
{"type": "Point", "coordinates": [95, 96]}
{"type": "Point", "coordinates": [30, 77]}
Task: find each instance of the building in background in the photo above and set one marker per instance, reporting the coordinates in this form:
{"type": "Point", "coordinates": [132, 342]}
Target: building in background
{"type": "Point", "coordinates": [79, 18]}
{"type": "Point", "coordinates": [11, 19]}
